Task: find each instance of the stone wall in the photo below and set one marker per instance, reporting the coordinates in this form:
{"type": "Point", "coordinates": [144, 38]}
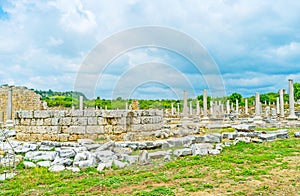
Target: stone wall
{"type": "Point", "coordinates": [22, 99]}
{"type": "Point", "coordinates": [70, 125]}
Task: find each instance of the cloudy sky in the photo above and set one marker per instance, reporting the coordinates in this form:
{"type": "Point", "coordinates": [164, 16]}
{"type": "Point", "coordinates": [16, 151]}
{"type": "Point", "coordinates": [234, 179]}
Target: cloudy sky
{"type": "Point", "coordinates": [254, 44]}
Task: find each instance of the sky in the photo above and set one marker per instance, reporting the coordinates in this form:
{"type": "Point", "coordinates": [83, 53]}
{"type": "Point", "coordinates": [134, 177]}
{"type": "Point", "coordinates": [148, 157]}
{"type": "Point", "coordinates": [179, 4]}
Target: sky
{"type": "Point", "coordinates": [255, 46]}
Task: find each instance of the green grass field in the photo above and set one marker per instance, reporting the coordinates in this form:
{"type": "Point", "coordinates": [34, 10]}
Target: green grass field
{"type": "Point", "coordinates": [271, 168]}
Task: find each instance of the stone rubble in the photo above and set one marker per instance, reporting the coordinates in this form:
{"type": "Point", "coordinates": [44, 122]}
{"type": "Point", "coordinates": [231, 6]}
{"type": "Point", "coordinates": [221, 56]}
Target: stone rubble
{"type": "Point", "coordinates": [74, 156]}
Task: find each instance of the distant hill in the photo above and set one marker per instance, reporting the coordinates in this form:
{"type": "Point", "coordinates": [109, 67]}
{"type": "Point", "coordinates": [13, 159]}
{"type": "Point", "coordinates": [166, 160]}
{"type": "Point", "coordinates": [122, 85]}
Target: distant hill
{"type": "Point", "coordinates": [51, 93]}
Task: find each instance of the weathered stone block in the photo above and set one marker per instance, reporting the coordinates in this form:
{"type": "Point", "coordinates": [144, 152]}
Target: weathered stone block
{"type": "Point", "coordinates": [92, 120]}
{"type": "Point", "coordinates": [77, 113]}
{"type": "Point", "coordinates": [182, 152]}
{"type": "Point", "coordinates": [89, 113]}
{"type": "Point", "coordinates": [41, 114]}
{"type": "Point", "coordinates": [66, 121]}
{"type": "Point", "coordinates": [94, 129]}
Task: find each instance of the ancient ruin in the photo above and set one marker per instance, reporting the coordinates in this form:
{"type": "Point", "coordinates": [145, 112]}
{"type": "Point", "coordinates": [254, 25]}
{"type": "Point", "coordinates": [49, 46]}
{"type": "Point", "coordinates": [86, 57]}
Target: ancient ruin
{"type": "Point", "coordinates": [66, 139]}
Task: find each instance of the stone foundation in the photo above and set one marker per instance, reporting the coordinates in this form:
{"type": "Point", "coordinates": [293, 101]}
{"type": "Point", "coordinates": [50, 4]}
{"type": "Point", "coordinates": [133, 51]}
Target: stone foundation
{"type": "Point", "coordinates": [71, 125]}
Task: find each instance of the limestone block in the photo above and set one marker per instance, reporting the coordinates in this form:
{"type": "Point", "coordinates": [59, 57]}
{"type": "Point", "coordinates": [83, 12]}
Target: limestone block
{"type": "Point", "coordinates": [41, 155]}
{"type": "Point", "coordinates": [26, 114]}
{"type": "Point", "coordinates": [26, 122]}
{"type": "Point", "coordinates": [99, 113]}
{"type": "Point", "coordinates": [66, 153]}
{"type": "Point", "coordinates": [146, 120]}
{"type": "Point", "coordinates": [59, 113]}
{"type": "Point", "coordinates": [120, 164]}
{"type": "Point", "coordinates": [63, 137]}
{"type": "Point", "coordinates": [17, 121]}
{"type": "Point", "coordinates": [47, 121]}
{"type": "Point", "coordinates": [44, 163]}
{"type": "Point", "coordinates": [55, 121]}
{"type": "Point", "coordinates": [182, 152]}
{"type": "Point", "coordinates": [57, 168]}
{"type": "Point", "coordinates": [101, 121]}
{"type": "Point", "coordinates": [39, 122]}
{"type": "Point", "coordinates": [95, 130]}
{"type": "Point", "coordinates": [136, 120]}
{"type": "Point", "coordinates": [77, 130]}
{"type": "Point", "coordinates": [92, 120]}
{"type": "Point", "coordinates": [89, 113]}
{"type": "Point", "coordinates": [108, 129]}
{"type": "Point", "coordinates": [41, 114]}
{"type": "Point", "coordinates": [73, 137]}
{"type": "Point", "coordinates": [77, 113]}
{"type": "Point", "coordinates": [29, 164]}
{"type": "Point", "coordinates": [66, 121]}
{"type": "Point", "coordinates": [79, 120]}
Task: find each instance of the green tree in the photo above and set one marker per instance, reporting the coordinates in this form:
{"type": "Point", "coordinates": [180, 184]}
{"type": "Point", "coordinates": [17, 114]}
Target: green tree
{"type": "Point", "coordinates": [235, 96]}
{"type": "Point", "coordinates": [297, 91]}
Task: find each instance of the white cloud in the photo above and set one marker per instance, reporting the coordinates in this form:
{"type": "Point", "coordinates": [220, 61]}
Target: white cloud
{"type": "Point", "coordinates": [255, 43]}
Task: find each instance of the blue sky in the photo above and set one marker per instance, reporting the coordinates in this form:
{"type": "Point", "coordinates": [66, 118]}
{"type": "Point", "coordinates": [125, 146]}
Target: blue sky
{"type": "Point", "coordinates": [255, 44]}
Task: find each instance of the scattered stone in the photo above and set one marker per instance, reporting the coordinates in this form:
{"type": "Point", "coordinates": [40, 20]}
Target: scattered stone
{"type": "Point", "coordinates": [67, 153]}
{"type": "Point", "coordinates": [167, 158]}
{"type": "Point", "coordinates": [56, 168]}
{"type": "Point", "coordinates": [44, 163]}
{"type": "Point", "coordinates": [144, 157]}
{"type": "Point", "coordinates": [101, 167]}
{"type": "Point", "coordinates": [106, 146]}
{"type": "Point", "coordinates": [201, 149]}
{"type": "Point", "coordinates": [182, 152]}
{"type": "Point", "coordinates": [62, 161]}
{"type": "Point", "coordinates": [282, 133]}
{"type": "Point", "coordinates": [217, 126]}
{"type": "Point", "coordinates": [73, 169]}
{"type": "Point", "coordinates": [213, 151]}
{"type": "Point", "coordinates": [119, 164]}
{"type": "Point", "coordinates": [130, 159]}
{"type": "Point", "coordinates": [29, 164]}
{"type": "Point", "coordinates": [267, 137]}
{"type": "Point", "coordinates": [229, 135]}
{"type": "Point", "coordinates": [159, 154]}
{"type": "Point", "coordinates": [297, 134]}
{"type": "Point", "coordinates": [85, 141]}
{"type": "Point", "coordinates": [244, 127]}
{"type": "Point", "coordinates": [40, 155]}
{"type": "Point", "coordinates": [213, 138]}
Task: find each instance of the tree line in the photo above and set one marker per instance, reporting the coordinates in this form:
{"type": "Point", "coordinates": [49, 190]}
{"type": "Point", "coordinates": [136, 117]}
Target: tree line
{"type": "Point", "coordinates": [70, 98]}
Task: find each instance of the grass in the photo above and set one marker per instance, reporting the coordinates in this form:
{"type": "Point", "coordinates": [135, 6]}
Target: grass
{"type": "Point", "coordinates": [271, 168]}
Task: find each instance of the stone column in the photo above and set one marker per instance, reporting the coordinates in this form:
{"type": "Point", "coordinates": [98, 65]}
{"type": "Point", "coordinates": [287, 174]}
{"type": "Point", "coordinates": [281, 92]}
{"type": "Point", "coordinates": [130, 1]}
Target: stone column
{"type": "Point", "coordinates": [212, 108]}
{"type": "Point", "coordinates": [198, 108]}
{"type": "Point", "coordinates": [172, 108]}
{"type": "Point", "coordinates": [257, 104]}
{"type": "Point", "coordinates": [267, 111]}
{"type": "Point", "coordinates": [237, 106]}
{"type": "Point", "coordinates": [205, 103]}
{"type": "Point", "coordinates": [178, 113]}
{"type": "Point", "coordinates": [292, 115]}
{"type": "Point", "coordinates": [228, 107]}
{"type": "Point", "coordinates": [277, 106]}
{"type": "Point", "coordinates": [185, 107]}
{"type": "Point", "coordinates": [80, 102]}
{"type": "Point", "coordinates": [246, 106]}
{"type": "Point", "coordinates": [1, 116]}
{"type": "Point", "coordinates": [191, 108]}
{"type": "Point", "coordinates": [281, 101]}
{"type": "Point", "coordinates": [9, 105]}
{"type": "Point", "coordinates": [126, 106]}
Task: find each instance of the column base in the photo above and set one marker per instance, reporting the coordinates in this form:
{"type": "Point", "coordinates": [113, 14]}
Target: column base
{"type": "Point", "coordinates": [292, 117]}
{"type": "Point", "coordinates": [9, 123]}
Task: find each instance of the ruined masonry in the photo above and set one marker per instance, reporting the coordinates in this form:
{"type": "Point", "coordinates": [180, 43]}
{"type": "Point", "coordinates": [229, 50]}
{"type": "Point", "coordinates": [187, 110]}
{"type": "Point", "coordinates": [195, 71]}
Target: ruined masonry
{"type": "Point", "coordinates": [71, 125]}
{"type": "Point", "coordinates": [22, 99]}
